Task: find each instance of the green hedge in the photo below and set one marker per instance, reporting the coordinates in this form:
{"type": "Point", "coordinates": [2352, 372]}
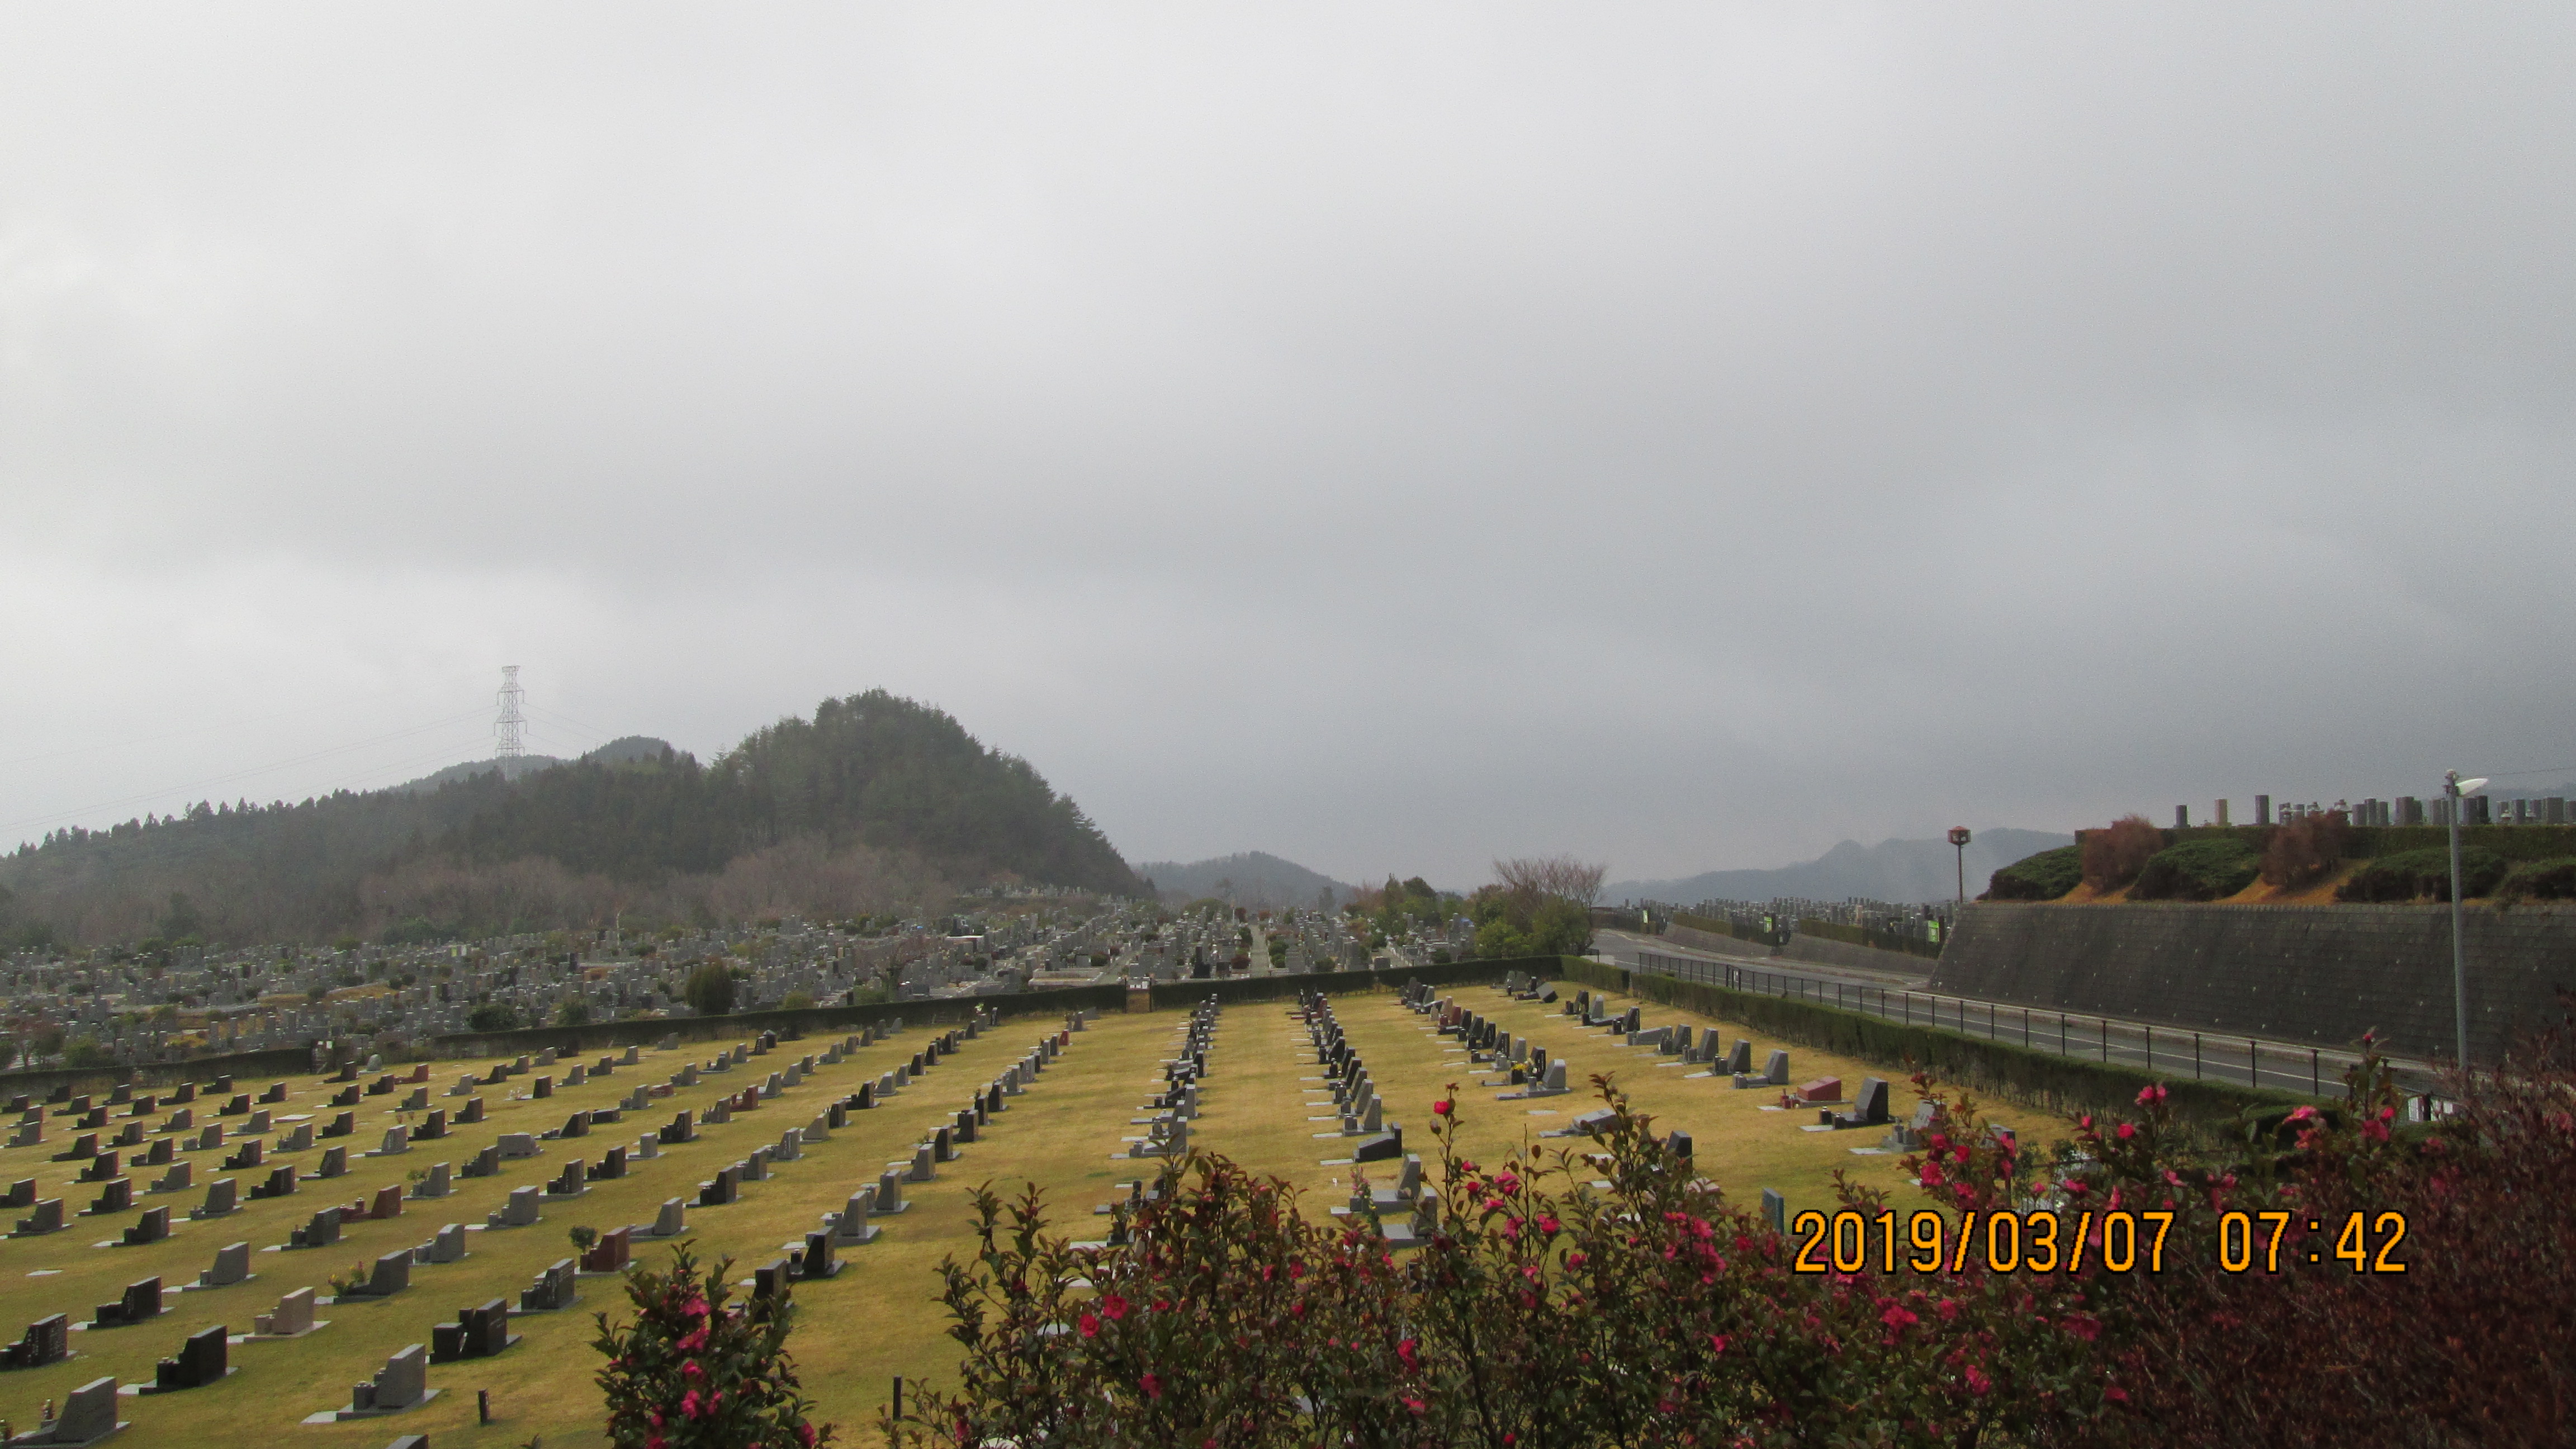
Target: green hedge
{"type": "Point", "coordinates": [2540, 880]}
{"type": "Point", "coordinates": [2023, 1074]}
{"type": "Point", "coordinates": [2209, 868]}
{"type": "Point", "coordinates": [2041, 877]}
{"type": "Point", "coordinates": [2413, 874]}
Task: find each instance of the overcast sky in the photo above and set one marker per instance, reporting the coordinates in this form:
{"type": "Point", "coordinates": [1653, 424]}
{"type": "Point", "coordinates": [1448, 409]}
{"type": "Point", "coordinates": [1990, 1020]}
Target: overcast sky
{"type": "Point", "coordinates": [1389, 436]}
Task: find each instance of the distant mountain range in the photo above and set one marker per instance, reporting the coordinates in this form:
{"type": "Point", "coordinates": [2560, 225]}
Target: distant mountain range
{"type": "Point", "coordinates": [1253, 879]}
{"type": "Point", "coordinates": [1892, 870]}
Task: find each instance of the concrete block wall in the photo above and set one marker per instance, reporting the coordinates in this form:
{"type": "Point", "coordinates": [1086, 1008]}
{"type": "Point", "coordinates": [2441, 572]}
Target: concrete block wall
{"type": "Point", "coordinates": [2316, 974]}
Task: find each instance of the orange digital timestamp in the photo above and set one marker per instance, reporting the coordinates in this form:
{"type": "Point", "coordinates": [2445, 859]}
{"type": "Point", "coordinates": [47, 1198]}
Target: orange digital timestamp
{"type": "Point", "coordinates": [2238, 1233]}
{"type": "Point", "coordinates": [2048, 1241]}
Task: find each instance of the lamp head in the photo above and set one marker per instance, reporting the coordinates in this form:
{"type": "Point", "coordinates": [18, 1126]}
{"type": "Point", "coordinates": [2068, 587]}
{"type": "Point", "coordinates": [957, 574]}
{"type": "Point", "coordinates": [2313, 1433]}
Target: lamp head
{"type": "Point", "coordinates": [2471, 787]}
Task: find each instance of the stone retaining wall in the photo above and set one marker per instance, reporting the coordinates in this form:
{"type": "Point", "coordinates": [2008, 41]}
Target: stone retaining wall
{"type": "Point", "coordinates": [2316, 974]}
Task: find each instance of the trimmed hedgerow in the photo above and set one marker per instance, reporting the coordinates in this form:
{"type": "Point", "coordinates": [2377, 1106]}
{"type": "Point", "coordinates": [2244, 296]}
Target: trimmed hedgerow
{"type": "Point", "coordinates": [2208, 869]}
{"type": "Point", "coordinates": [2541, 880]}
{"type": "Point", "coordinates": [2041, 877]}
{"type": "Point", "coordinates": [2412, 874]}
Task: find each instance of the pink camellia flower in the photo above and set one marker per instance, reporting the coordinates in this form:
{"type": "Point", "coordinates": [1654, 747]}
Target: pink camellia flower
{"type": "Point", "coordinates": [690, 1370]}
{"type": "Point", "coordinates": [1898, 1317]}
{"type": "Point", "coordinates": [1090, 1325]}
{"type": "Point", "coordinates": [2304, 1114]}
{"type": "Point", "coordinates": [2152, 1093]}
{"type": "Point", "coordinates": [805, 1435]}
{"type": "Point", "coordinates": [692, 1405]}
{"type": "Point", "coordinates": [1152, 1386]}
{"type": "Point", "coordinates": [1978, 1383]}
{"type": "Point", "coordinates": [1440, 1108]}
{"type": "Point", "coordinates": [1409, 1353]}
{"type": "Point", "coordinates": [1114, 1306]}
{"type": "Point", "coordinates": [1717, 1343]}
{"type": "Point", "coordinates": [1932, 1174]}
{"type": "Point", "coordinates": [2127, 1131]}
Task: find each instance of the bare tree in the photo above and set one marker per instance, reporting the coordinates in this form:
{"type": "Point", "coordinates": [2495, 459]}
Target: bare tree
{"type": "Point", "coordinates": [1561, 876]}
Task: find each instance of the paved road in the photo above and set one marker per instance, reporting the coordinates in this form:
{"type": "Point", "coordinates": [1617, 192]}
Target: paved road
{"type": "Point", "coordinates": [2159, 1047]}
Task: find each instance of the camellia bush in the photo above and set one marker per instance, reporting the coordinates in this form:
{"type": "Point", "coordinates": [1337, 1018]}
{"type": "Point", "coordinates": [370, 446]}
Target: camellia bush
{"type": "Point", "coordinates": [1605, 1293]}
{"type": "Point", "coordinates": [692, 1372]}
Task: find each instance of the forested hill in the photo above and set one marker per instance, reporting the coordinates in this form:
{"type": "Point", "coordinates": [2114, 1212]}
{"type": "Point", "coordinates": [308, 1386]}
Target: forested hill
{"type": "Point", "coordinates": [873, 801]}
{"type": "Point", "coordinates": [872, 770]}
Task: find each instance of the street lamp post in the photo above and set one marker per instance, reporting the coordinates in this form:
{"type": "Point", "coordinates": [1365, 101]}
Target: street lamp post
{"type": "Point", "coordinates": [2458, 790]}
{"type": "Point", "coordinates": [1959, 842]}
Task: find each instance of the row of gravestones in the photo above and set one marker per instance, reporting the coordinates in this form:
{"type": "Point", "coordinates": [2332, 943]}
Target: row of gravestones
{"type": "Point", "coordinates": [401, 1384]}
{"type": "Point", "coordinates": [1405, 1215]}
{"type": "Point", "coordinates": [1354, 1095]}
{"type": "Point", "coordinates": [1175, 1103]}
{"type": "Point", "coordinates": [1169, 1111]}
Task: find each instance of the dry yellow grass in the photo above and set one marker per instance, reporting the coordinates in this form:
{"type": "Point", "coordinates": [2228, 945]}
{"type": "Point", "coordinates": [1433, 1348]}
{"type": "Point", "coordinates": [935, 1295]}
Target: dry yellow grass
{"type": "Point", "coordinates": [881, 1316]}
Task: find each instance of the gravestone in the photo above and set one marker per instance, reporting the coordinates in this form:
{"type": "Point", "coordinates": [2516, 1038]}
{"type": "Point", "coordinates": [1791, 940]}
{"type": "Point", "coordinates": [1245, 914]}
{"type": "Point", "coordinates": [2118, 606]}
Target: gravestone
{"type": "Point", "coordinates": [671, 1222]}
{"type": "Point", "coordinates": [232, 1265]}
{"type": "Point", "coordinates": [553, 1290]}
{"type": "Point", "coordinates": [321, 1231]}
{"type": "Point", "coordinates": [446, 1246]}
{"type": "Point", "coordinates": [292, 1317]}
{"type": "Point", "coordinates": [201, 1361]}
{"type": "Point", "coordinates": [390, 1275]}
{"type": "Point", "coordinates": [219, 1200]}
{"type": "Point", "coordinates": [477, 1333]}
{"type": "Point", "coordinates": [401, 1384]}
{"type": "Point", "coordinates": [142, 1300]}
{"type": "Point", "coordinates": [89, 1415]}
{"type": "Point", "coordinates": [611, 1253]}
{"type": "Point", "coordinates": [281, 1182]}
{"type": "Point", "coordinates": [152, 1227]}
{"type": "Point", "coordinates": [438, 1183]}
{"type": "Point", "coordinates": [519, 1211]}
{"type": "Point", "coordinates": [47, 1340]}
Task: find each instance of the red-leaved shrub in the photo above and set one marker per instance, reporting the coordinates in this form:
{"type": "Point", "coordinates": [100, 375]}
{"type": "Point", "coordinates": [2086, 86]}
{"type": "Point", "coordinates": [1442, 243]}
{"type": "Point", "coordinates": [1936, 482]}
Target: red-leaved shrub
{"type": "Point", "coordinates": [2306, 850]}
{"type": "Point", "coordinates": [2115, 854]}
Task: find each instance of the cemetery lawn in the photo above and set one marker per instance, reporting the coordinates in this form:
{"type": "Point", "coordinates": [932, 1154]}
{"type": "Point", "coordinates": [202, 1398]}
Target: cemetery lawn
{"type": "Point", "coordinates": [880, 1317]}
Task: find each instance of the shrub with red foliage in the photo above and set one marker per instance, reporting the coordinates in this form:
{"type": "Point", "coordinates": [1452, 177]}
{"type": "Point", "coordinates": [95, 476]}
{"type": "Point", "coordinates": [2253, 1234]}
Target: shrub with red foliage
{"type": "Point", "coordinates": [2115, 854]}
{"type": "Point", "coordinates": [2306, 850]}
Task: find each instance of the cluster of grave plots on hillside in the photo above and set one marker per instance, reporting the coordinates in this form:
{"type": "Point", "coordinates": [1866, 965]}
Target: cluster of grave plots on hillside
{"type": "Point", "coordinates": [124, 1195]}
{"type": "Point", "coordinates": [166, 1006]}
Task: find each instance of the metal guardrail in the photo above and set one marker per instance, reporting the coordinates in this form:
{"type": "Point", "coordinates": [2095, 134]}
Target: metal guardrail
{"type": "Point", "coordinates": [2209, 1056]}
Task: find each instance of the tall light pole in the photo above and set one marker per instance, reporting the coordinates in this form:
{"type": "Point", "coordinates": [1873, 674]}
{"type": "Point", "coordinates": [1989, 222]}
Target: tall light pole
{"type": "Point", "coordinates": [1959, 842]}
{"type": "Point", "coordinates": [2458, 791]}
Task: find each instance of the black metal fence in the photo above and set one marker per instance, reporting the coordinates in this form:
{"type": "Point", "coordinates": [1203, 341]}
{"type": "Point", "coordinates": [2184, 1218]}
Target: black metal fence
{"type": "Point", "coordinates": [2203, 1055]}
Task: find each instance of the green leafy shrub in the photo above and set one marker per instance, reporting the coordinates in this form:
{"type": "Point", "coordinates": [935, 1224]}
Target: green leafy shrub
{"type": "Point", "coordinates": [2208, 868]}
{"type": "Point", "coordinates": [2041, 877]}
{"type": "Point", "coordinates": [2540, 880]}
{"type": "Point", "coordinates": [2115, 854]}
{"type": "Point", "coordinates": [2413, 874]}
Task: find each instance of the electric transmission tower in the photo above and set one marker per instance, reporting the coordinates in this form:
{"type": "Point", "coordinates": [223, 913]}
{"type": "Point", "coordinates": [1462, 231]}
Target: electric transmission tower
{"type": "Point", "coordinates": [509, 724]}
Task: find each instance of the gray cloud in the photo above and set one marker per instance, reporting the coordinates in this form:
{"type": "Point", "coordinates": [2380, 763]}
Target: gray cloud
{"type": "Point", "coordinates": [1392, 440]}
